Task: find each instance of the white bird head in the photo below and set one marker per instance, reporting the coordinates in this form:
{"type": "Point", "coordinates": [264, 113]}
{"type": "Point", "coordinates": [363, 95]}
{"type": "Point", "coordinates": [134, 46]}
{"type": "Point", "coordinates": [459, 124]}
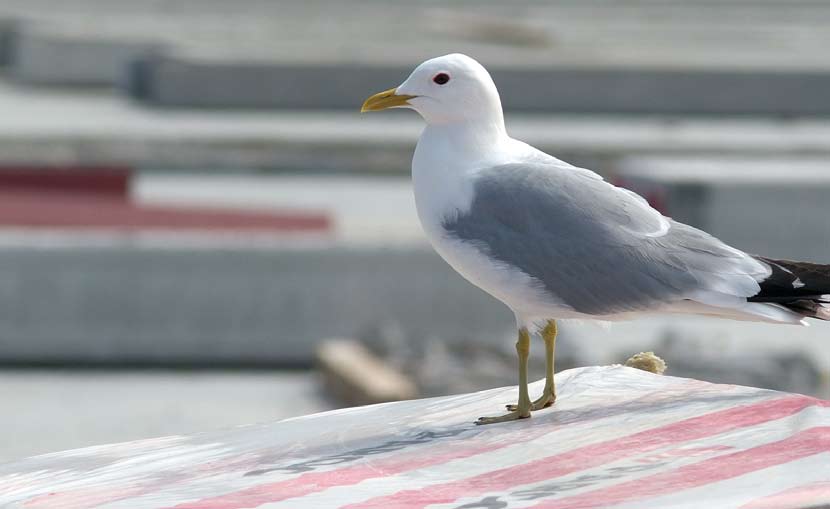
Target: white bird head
{"type": "Point", "coordinates": [444, 90]}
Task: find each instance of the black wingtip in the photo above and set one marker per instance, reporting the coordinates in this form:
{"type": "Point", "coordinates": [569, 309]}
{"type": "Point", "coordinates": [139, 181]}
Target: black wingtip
{"type": "Point", "coordinates": [803, 287]}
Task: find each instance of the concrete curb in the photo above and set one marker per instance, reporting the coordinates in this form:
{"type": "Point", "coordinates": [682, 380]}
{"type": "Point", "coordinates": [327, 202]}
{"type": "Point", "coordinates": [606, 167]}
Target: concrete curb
{"type": "Point", "coordinates": [223, 307]}
{"type": "Point", "coordinates": [42, 57]}
{"type": "Point", "coordinates": [171, 82]}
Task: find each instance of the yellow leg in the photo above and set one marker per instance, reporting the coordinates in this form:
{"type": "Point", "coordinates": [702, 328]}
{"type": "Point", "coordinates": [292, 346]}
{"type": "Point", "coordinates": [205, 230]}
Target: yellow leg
{"type": "Point", "coordinates": [522, 410]}
{"type": "Point", "coordinates": [549, 392]}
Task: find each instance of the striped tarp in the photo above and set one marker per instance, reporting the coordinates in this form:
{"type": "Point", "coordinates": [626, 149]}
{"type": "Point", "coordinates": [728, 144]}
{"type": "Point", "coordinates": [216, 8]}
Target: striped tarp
{"type": "Point", "coordinates": [617, 437]}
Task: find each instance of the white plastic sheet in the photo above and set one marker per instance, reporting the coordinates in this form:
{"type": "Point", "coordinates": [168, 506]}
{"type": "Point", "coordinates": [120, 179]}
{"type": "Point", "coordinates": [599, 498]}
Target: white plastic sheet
{"type": "Point", "coordinates": [617, 437]}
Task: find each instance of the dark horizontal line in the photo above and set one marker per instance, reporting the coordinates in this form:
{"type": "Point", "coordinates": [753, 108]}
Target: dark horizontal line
{"type": "Point", "coordinates": [154, 365]}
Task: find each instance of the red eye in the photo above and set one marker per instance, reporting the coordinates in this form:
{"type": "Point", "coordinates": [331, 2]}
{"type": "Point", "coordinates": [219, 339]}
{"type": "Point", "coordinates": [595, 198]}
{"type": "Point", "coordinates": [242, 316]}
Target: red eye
{"type": "Point", "coordinates": [441, 78]}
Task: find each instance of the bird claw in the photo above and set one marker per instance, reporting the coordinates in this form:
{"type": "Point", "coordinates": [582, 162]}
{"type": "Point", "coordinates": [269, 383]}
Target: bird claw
{"type": "Point", "coordinates": [512, 416]}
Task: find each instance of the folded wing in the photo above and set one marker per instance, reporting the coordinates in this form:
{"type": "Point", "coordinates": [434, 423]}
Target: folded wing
{"type": "Point", "coordinates": [602, 249]}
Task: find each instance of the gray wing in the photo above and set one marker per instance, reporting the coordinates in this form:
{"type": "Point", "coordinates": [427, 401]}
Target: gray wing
{"type": "Point", "coordinates": [599, 248]}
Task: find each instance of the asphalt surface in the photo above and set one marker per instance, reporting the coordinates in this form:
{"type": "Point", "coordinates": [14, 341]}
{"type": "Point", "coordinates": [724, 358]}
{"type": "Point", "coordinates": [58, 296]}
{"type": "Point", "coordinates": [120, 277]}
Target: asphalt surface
{"type": "Point", "coordinates": [51, 410]}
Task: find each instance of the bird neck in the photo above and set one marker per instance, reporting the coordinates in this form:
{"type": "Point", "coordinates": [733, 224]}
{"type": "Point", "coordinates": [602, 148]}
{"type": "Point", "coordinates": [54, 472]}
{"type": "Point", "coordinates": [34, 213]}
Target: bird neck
{"type": "Point", "coordinates": [467, 140]}
{"type": "Point", "coordinates": [446, 156]}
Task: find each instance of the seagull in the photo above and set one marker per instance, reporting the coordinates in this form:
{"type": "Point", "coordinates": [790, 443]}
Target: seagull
{"type": "Point", "coordinates": [553, 241]}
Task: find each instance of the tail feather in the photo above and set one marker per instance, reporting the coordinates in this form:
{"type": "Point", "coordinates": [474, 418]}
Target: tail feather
{"type": "Point", "coordinates": [801, 287]}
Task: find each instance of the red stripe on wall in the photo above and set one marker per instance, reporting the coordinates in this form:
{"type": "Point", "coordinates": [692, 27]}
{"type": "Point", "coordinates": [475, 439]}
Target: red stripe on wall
{"type": "Point", "coordinates": [113, 181]}
{"type": "Point", "coordinates": [59, 210]}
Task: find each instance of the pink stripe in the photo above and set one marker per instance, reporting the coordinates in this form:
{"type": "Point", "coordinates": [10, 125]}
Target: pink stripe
{"type": "Point", "coordinates": [807, 443]}
{"type": "Point", "coordinates": [80, 498]}
{"type": "Point", "coordinates": [594, 455]}
{"type": "Point", "coordinates": [313, 482]}
{"type": "Point", "coordinates": [811, 495]}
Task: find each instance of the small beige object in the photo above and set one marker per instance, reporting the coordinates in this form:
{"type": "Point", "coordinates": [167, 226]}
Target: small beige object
{"type": "Point", "coordinates": [647, 361]}
{"type": "Point", "coordinates": [356, 375]}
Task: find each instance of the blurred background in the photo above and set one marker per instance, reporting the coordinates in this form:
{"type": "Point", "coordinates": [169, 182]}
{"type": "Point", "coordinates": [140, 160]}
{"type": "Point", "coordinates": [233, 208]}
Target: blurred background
{"type": "Point", "coordinates": [192, 208]}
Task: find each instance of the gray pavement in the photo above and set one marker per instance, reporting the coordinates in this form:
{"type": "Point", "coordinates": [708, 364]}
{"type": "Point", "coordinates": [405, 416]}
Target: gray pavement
{"type": "Point", "coordinates": [51, 410]}
{"type": "Point", "coordinates": [624, 33]}
{"type": "Point", "coordinates": [64, 127]}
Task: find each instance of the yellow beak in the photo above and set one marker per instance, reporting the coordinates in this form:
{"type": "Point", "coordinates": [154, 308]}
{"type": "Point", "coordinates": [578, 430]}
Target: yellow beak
{"type": "Point", "coordinates": [385, 99]}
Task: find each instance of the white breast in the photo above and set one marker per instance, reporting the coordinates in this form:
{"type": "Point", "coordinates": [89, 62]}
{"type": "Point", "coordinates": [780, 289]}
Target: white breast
{"type": "Point", "coordinates": [443, 183]}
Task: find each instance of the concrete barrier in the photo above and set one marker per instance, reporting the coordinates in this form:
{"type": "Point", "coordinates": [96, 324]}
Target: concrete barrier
{"type": "Point", "coordinates": [44, 57]}
{"type": "Point", "coordinates": [774, 206]}
{"type": "Point", "coordinates": [183, 83]}
{"type": "Point", "coordinates": [204, 84]}
{"type": "Point", "coordinates": [199, 307]}
{"type": "Point", "coordinates": [8, 35]}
